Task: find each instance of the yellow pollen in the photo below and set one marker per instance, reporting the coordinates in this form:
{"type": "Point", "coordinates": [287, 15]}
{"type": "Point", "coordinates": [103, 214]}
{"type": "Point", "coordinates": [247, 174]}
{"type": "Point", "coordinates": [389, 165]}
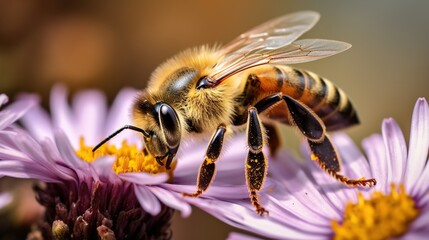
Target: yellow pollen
{"type": "Point", "coordinates": [128, 158]}
{"type": "Point", "coordinates": [314, 157]}
{"type": "Point", "coordinates": [383, 216]}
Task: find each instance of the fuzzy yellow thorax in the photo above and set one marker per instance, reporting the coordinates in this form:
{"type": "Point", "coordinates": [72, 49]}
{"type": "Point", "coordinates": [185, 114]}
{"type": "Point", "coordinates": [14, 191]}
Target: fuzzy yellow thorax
{"type": "Point", "coordinates": [383, 216]}
{"type": "Point", "coordinates": [128, 158]}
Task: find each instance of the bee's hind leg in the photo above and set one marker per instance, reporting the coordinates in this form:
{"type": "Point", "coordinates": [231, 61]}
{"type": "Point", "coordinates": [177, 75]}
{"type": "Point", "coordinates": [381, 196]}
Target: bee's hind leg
{"type": "Point", "coordinates": [313, 128]}
{"type": "Point", "coordinates": [208, 167]}
{"type": "Point", "coordinates": [325, 155]}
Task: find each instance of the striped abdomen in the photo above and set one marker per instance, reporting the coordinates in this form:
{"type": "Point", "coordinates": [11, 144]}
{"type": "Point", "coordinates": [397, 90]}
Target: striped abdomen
{"type": "Point", "coordinates": [328, 101]}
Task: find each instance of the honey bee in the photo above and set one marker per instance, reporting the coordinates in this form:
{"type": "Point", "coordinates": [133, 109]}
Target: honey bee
{"type": "Point", "coordinates": [215, 90]}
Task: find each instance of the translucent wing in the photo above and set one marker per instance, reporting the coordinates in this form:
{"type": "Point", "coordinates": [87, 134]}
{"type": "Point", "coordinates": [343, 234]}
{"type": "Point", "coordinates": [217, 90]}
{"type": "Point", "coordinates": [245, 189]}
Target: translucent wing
{"type": "Point", "coordinates": [274, 43]}
{"type": "Point", "coordinates": [274, 33]}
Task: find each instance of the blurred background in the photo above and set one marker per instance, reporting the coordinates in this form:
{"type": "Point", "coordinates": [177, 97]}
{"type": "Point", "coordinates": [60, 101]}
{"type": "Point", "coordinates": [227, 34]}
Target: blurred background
{"type": "Point", "coordinates": [109, 45]}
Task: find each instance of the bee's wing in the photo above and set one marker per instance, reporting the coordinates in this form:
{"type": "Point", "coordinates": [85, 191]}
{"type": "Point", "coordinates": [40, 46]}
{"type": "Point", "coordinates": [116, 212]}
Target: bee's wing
{"type": "Point", "coordinates": [274, 43]}
{"type": "Point", "coordinates": [280, 31]}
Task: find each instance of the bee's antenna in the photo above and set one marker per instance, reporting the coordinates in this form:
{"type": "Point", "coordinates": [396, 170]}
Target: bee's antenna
{"type": "Point", "coordinates": [137, 129]}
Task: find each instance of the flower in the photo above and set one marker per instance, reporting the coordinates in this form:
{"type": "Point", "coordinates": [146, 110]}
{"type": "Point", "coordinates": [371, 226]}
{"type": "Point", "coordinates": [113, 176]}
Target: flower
{"type": "Point", "coordinates": [127, 195]}
{"type": "Point", "coordinates": [307, 203]}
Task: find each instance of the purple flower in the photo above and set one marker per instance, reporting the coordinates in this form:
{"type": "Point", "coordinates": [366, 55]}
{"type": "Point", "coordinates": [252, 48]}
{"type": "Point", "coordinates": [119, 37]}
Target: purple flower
{"type": "Point", "coordinates": [125, 195]}
{"type": "Point", "coordinates": [306, 203]}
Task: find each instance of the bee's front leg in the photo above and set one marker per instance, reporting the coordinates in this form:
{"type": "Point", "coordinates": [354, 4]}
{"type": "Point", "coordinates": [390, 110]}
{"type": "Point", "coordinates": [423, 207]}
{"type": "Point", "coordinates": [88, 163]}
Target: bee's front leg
{"type": "Point", "coordinates": [256, 164]}
{"type": "Point", "coordinates": [208, 167]}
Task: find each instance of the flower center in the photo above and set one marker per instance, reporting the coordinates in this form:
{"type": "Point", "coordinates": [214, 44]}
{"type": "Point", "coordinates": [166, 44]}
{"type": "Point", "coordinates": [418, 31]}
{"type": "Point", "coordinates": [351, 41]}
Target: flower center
{"type": "Point", "coordinates": [128, 158]}
{"type": "Point", "coordinates": [383, 216]}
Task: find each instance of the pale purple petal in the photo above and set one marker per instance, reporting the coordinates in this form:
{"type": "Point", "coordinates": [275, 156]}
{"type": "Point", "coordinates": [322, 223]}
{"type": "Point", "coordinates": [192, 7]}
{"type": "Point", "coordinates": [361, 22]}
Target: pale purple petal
{"type": "Point", "coordinates": [289, 214]}
{"type": "Point", "coordinates": [16, 110]}
{"type": "Point", "coordinates": [421, 222]}
{"type": "Point", "coordinates": [104, 168]}
{"type": "Point", "coordinates": [70, 158]}
{"type": "Point", "coordinates": [171, 200]}
{"type": "Point", "coordinates": [335, 192]}
{"type": "Point", "coordinates": [220, 192]}
{"type": "Point", "coordinates": [62, 115]}
{"type": "Point", "coordinates": [147, 200]}
{"type": "Point", "coordinates": [16, 169]}
{"type": "Point", "coordinates": [90, 110]}
{"type": "Point", "coordinates": [354, 163]}
{"type": "Point", "coordinates": [7, 152]}
{"type": "Point", "coordinates": [54, 161]}
{"type": "Point", "coordinates": [374, 148]}
{"type": "Point", "coordinates": [291, 176]}
{"type": "Point", "coordinates": [419, 143]}
{"type": "Point", "coordinates": [240, 236]}
{"type": "Point", "coordinates": [396, 150]}
{"type": "Point", "coordinates": [295, 208]}
{"type": "Point", "coordinates": [3, 99]}
{"type": "Point", "coordinates": [119, 115]}
{"type": "Point", "coordinates": [421, 187]}
{"type": "Point", "coordinates": [38, 123]}
{"type": "Point", "coordinates": [142, 178]}
{"type": "Point", "coordinates": [5, 198]}
{"type": "Point", "coordinates": [239, 216]}
{"type": "Point", "coordinates": [416, 235]}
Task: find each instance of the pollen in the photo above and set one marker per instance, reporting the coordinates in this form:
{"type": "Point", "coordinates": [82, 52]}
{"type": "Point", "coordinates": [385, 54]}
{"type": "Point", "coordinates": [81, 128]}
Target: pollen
{"type": "Point", "coordinates": [383, 216]}
{"type": "Point", "coordinates": [129, 158]}
{"type": "Point", "coordinates": [314, 157]}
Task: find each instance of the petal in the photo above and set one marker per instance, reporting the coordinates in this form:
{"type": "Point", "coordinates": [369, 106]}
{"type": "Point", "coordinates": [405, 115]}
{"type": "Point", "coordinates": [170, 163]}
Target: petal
{"type": "Point", "coordinates": [244, 218]}
{"type": "Point", "coordinates": [16, 169]}
{"type": "Point", "coordinates": [62, 115]}
{"type": "Point", "coordinates": [416, 235]}
{"type": "Point", "coordinates": [16, 110]}
{"type": "Point", "coordinates": [5, 198]}
{"type": "Point", "coordinates": [374, 148]}
{"type": "Point", "coordinates": [421, 222]}
{"type": "Point", "coordinates": [292, 177]}
{"type": "Point", "coordinates": [419, 143]}
{"type": "Point", "coordinates": [90, 109]}
{"type": "Point", "coordinates": [147, 200]}
{"type": "Point", "coordinates": [219, 192]}
{"type": "Point", "coordinates": [69, 157]}
{"type": "Point", "coordinates": [169, 199]}
{"type": "Point", "coordinates": [3, 99]}
{"type": "Point", "coordinates": [240, 236]}
{"type": "Point", "coordinates": [38, 123]}
{"type": "Point", "coordinates": [142, 178]}
{"type": "Point", "coordinates": [55, 164]}
{"type": "Point", "coordinates": [119, 115]}
{"type": "Point", "coordinates": [396, 150]}
{"type": "Point", "coordinates": [354, 163]}
{"type": "Point", "coordinates": [421, 187]}
{"type": "Point", "coordinates": [335, 192]}
{"type": "Point", "coordinates": [104, 168]}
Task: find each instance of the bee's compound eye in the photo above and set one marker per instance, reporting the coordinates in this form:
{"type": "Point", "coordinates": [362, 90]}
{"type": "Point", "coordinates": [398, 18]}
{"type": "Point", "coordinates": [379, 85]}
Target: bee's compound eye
{"type": "Point", "coordinates": [169, 124]}
{"type": "Point", "coordinates": [168, 118]}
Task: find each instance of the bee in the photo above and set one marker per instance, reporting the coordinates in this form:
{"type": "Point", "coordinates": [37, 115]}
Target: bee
{"type": "Point", "coordinates": [246, 84]}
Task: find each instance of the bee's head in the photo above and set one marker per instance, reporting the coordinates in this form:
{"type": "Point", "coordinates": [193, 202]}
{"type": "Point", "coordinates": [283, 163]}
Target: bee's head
{"type": "Point", "coordinates": [162, 126]}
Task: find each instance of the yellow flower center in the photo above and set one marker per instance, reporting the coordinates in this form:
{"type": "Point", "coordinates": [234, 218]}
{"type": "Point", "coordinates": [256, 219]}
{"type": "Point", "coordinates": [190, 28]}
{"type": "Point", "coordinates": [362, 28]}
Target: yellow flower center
{"type": "Point", "coordinates": [128, 158]}
{"type": "Point", "coordinates": [383, 216]}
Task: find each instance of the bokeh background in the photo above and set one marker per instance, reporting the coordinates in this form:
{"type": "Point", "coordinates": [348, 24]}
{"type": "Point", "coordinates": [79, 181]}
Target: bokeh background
{"type": "Point", "coordinates": [112, 44]}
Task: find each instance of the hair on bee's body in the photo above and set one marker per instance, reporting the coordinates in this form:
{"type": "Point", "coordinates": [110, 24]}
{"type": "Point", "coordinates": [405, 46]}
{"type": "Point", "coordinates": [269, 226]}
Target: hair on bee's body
{"type": "Point", "coordinates": [200, 111]}
{"type": "Point", "coordinates": [209, 91]}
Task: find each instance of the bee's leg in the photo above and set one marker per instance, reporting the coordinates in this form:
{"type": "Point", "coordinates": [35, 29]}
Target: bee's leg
{"type": "Point", "coordinates": [208, 167]}
{"type": "Point", "coordinates": [307, 122]}
{"type": "Point", "coordinates": [313, 129]}
{"type": "Point", "coordinates": [274, 142]}
{"type": "Point", "coordinates": [256, 164]}
{"type": "Point", "coordinates": [328, 159]}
